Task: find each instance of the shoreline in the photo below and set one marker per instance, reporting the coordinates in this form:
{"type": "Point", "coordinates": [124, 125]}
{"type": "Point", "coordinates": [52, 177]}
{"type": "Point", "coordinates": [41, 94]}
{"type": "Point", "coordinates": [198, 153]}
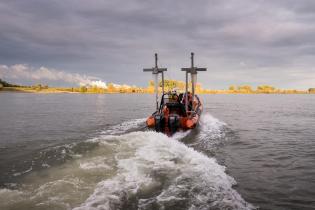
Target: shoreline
{"type": "Point", "coordinates": [213, 92]}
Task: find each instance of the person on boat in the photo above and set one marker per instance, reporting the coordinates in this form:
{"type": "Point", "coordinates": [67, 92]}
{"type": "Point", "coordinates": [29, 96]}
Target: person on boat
{"type": "Point", "coordinates": [189, 96]}
{"type": "Point", "coordinates": [174, 96]}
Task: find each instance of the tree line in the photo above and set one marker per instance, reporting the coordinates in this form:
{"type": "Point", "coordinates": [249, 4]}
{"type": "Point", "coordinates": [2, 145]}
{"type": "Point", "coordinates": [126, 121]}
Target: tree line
{"type": "Point", "coordinates": [168, 84]}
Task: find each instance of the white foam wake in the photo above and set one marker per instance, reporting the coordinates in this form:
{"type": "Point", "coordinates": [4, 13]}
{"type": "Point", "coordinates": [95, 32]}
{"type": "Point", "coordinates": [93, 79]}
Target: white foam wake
{"type": "Point", "coordinates": [138, 170]}
{"type": "Point", "coordinates": [152, 162]}
{"type": "Point", "coordinates": [124, 126]}
{"type": "Point", "coordinates": [211, 127]}
{"type": "Point", "coordinates": [211, 132]}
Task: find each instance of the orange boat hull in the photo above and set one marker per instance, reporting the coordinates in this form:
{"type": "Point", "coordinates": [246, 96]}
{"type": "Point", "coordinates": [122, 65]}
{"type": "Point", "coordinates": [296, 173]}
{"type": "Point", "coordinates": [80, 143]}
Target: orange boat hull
{"type": "Point", "coordinates": [183, 122]}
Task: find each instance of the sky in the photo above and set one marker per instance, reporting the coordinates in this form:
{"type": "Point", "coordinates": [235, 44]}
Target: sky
{"type": "Point", "coordinates": [240, 42]}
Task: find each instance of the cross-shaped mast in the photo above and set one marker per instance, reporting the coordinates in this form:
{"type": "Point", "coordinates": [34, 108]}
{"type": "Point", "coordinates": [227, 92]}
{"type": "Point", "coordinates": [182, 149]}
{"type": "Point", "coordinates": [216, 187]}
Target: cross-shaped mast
{"type": "Point", "coordinates": [156, 71]}
{"type": "Point", "coordinates": [193, 72]}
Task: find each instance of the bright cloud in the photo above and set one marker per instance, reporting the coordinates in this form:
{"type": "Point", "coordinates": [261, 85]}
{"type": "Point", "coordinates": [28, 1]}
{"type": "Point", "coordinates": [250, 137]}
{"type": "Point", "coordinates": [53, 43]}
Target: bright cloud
{"type": "Point", "coordinates": [22, 71]}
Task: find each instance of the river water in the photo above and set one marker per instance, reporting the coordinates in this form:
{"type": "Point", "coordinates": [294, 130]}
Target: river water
{"type": "Point", "coordinates": [77, 151]}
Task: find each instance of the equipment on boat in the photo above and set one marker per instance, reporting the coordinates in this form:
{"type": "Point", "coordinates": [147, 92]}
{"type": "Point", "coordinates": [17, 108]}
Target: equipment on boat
{"type": "Point", "coordinates": [175, 111]}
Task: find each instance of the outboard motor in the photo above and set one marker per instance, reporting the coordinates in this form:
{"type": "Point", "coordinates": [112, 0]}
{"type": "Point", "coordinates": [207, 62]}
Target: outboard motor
{"type": "Point", "coordinates": [173, 123]}
{"type": "Point", "coordinates": [159, 125]}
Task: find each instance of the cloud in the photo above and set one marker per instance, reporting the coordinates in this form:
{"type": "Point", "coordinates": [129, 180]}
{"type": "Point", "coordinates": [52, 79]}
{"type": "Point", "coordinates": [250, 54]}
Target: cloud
{"type": "Point", "coordinates": [21, 71]}
{"type": "Point", "coordinates": [117, 38]}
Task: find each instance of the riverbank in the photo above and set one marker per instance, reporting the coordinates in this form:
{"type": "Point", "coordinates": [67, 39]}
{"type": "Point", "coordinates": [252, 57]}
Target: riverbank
{"type": "Point", "coordinates": [111, 88]}
{"type": "Point", "coordinates": [30, 90]}
{"type": "Point", "coordinates": [52, 90]}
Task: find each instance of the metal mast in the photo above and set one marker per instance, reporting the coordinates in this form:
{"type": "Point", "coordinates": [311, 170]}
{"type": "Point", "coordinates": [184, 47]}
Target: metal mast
{"type": "Point", "coordinates": [193, 73]}
{"type": "Point", "coordinates": [155, 72]}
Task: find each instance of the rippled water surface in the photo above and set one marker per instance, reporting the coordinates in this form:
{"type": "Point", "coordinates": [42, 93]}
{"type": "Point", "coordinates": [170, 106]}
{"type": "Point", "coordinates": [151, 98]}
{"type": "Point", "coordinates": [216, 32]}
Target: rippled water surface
{"type": "Point", "coordinates": [74, 151]}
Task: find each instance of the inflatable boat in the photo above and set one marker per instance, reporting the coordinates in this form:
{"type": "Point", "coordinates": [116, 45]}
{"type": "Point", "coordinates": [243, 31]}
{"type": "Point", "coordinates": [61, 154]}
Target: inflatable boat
{"type": "Point", "coordinates": [175, 111]}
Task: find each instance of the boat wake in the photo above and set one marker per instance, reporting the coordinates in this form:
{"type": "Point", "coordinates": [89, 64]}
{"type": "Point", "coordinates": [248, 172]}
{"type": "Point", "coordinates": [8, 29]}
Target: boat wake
{"type": "Point", "coordinates": [155, 171]}
{"type": "Point", "coordinates": [124, 127]}
{"type": "Point", "coordinates": [136, 170]}
{"type": "Point", "coordinates": [211, 134]}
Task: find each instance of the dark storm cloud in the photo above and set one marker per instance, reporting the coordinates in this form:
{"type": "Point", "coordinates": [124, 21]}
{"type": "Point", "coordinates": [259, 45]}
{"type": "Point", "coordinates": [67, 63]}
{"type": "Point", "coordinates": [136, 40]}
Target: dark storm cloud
{"type": "Point", "coordinates": [239, 41]}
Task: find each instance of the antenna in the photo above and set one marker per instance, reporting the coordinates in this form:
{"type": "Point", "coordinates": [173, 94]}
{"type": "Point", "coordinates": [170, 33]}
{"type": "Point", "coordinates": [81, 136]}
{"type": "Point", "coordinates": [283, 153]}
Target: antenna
{"type": "Point", "coordinates": [155, 72]}
{"type": "Point", "coordinates": [193, 73]}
